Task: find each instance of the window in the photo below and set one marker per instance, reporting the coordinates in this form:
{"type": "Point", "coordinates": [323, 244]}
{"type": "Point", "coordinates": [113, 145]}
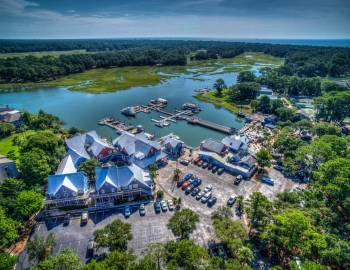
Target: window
{"type": "Point", "coordinates": [135, 186]}
{"type": "Point", "coordinates": [113, 189]}
{"type": "Point", "coordinates": [102, 191]}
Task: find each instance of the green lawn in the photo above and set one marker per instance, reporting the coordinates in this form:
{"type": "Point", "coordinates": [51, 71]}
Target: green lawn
{"type": "Point", "coordinates": [113, 79]}
{"type": "Point", "coordinates": [6, 144]}
{"type": "Point", "coordinates": [222, 101]}
{"type": "Point", "coordinates": [40, 54]}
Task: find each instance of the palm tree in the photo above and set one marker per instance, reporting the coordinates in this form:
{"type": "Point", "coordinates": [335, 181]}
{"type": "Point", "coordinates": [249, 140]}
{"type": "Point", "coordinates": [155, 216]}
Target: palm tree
{"type": "Point", "coordinates": [176, 177]}
{"type": "Point", "coordinates": [177, 173]}
{"type": "Point", "coordinates": [153, 171]}
{"type": "Point", "coordinates": [177, 202]}
{"type": "Point", "coordinates": [240, 205]}
{"type": "Point", "coordinates": [39, 248]}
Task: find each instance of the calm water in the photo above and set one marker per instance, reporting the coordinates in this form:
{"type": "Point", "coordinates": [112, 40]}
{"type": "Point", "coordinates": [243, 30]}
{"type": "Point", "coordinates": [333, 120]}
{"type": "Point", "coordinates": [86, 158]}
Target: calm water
{"type": "Point", "coordinates": [83, 110]}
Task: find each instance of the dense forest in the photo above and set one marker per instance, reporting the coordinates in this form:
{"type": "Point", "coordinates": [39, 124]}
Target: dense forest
{"type": "Point", "coordinates": [302, 61]}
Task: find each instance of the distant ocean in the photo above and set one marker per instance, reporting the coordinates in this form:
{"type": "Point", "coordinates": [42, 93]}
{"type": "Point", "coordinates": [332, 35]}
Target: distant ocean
{"type": "Point", "coordinates": [312, 42]}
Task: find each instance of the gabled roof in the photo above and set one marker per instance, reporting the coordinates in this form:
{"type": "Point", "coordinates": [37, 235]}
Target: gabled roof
{"type": "Point", "coordinates": [89, 141]}
{"type": "Point", "coordinates": [72, 181]}
{"type": "Point", "coordinates": [120, 176]}
{"type": "Point", "coordinates": [213, 146]}
{"type": "Point", "coordinates": [146, 162]}
{"type": "Point", "coordinates": [67, 165]}
{"type": "Point", "coordinates": [132, 144]}
{"type": "Point", "coordinates": [235, 141]}
{"type": "Point", "coordinates": [77, 145]}
{"type": "Point", "coordinates": [171, 140]}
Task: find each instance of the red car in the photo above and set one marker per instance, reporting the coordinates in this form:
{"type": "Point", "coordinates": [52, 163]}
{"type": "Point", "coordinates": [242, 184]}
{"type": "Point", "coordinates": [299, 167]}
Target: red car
{"type": "Point", "coordinates": [196, 161]}
{"type": "Point", "coordinates": [185, 185]}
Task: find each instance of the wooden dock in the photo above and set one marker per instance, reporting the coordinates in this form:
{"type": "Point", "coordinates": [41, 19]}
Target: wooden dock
{"type": "Point", "coordinates": [116, 124]}
{"type": "Point", "coordinates": [211, 125]}
{"type": "Point", "coordinates": [186, 115]}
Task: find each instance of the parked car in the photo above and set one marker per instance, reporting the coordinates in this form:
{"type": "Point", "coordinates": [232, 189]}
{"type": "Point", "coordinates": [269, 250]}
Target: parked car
{"type": "Point", "coordinates": [195, 191]}
{"type": "Point", "coordinates": [208, 188]}
{"type": "Point", "coordinates": [215, 168]}
{"type": "Point", "coordinates": [191, 181]}
{"type": "Point", "coordinates": [157, 206]}
{"type": "Point", "coordinates": [84, 218]}
{"type": "Point", "coordinates": [200, 195]}
{"type": "Point", "coordinates": [197, 182]}
{"type": "Point", "coordinates": [212, 201]}
{"type": "Point", "coordinates": [221, 171]}
{"type": "Point", "coordinates": [205, 165]}
{"type": "Point", "coordinates": [267, 180]}
{"type": "Point", "coordinates": [164, 206]}
{"type": "Point", "coordinates": [127, 211]}
{"type": "Point", "coordinates": [90, 248]}
{"type": "Point", "coordinates": [185, 185]}
{"type": "Point", "coordinates": [188, 176]}
{"type": "Point", "coordinates": [231, 201]}
{"type": "Point", "coordinates": [142, 210]}
{"type": "Point", "coordinates": [66, 220]}
{"type": "Point", "coordinates": [210, 166]}
{"type": "Point", "coordinates": [179, 183]}
{"type": "Point", "coordinates": [238, 180]}
{"type": "Point", "coordinates": [184, 162]}
{"type": "Point", "coordinates": [195, 161]}
{"type": "Point", "coordinates": [200, 163]}
{"type": "Point", "coordinates": [189, 189]}
{"type": "Point", "coordinates": [171, 205]}
{"type": "Point", "coordinates": [278, 168]}
{"type": "Point", "coordinates": [206, 197]}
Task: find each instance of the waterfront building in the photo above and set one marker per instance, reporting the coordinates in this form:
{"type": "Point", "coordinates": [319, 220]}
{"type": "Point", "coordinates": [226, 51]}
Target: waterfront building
{"type": "Point", "coordinates": [211, 145]}
{"type": "Point", "coordinates": [10, 115]}
{"type": "Point", "coordinates": [172, 145]}
{"type": "Point", "coordinates": [236, 143]}
{"type": "Point", "coordinates": [7, 168]}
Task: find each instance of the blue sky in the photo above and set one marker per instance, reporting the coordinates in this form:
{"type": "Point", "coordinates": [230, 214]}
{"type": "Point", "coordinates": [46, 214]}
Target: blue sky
{"type": "Point", "coordinates": [293, 19]}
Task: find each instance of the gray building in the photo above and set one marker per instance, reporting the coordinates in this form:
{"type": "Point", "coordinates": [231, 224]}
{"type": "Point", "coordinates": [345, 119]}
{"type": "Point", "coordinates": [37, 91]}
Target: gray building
{"type": "Point", "coordinates": [7, 168]}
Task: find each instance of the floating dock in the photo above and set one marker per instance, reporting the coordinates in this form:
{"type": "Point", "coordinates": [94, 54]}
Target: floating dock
{"type": "Point", "coordinates": [117, 125]}
{"type": "Point", "coordinates": [185, 114]}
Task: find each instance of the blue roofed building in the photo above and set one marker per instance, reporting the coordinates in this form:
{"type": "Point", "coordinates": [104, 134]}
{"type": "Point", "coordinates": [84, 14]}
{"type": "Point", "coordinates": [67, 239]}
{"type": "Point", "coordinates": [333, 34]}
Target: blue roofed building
{"type": "Point", "coordinates": [236, 143]}
{"type": "Point", "coordinates": [84, 146]}
{"type": "Point", "coordinates": [137, 149]}
{"type": "Point", "coordinates": [67, 189]}
{"type": "Point", "coordinates": [121, 183]}
{"type": "Point", "coordinates": [172, 145]}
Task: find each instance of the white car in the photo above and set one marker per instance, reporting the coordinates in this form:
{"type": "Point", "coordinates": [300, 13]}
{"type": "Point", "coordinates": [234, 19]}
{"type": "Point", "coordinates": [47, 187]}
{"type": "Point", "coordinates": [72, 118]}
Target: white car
{"type": "Point", "coordinates": [208, 188]}
{"type": "Point", "coordinates": [170, 205]}
{"type": "Point", "coordinates": [206, 197]}
{"type": "Point", "coordinates": [231, 200]}
{"type": "Point", "coordinates": [164, 206]}
{"type": "Point", "coordinates": [127, 211]}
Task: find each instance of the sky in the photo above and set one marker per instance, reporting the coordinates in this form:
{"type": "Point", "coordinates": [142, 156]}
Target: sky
{"type": "Point", "coordinates": [279, 19]}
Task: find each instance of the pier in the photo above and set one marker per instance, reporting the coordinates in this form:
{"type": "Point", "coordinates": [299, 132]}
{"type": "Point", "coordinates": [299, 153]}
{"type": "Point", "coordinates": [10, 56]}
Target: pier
{"type": "Point", "coordinates": [211, 125]}
{"type": "Point", "coordinates": [117, 125]}
{"type": "Point", "coordinates": [166, 118]}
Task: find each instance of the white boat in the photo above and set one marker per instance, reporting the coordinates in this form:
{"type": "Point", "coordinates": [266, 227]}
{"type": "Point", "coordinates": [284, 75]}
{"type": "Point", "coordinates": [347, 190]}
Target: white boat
{"type": "Point", "coordinates": [162, 100]}
{"type": "Point", "coordinates": [128, 111]}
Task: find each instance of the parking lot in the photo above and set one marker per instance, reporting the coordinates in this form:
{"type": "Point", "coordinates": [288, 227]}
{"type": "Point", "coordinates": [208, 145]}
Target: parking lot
{"type": "Point", "coordinates": [146, 229]}
{"type": "Point", "coordinates": [152, 227]}
{"type": "Point", "coordinates": [223, 188]}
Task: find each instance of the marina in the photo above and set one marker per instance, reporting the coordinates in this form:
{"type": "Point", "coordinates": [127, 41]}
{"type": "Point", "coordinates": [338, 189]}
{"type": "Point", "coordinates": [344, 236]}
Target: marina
{"type": "Point", "coordinates": [186, 114]}
{"type": "Point", "coordinates": [85, 110]}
